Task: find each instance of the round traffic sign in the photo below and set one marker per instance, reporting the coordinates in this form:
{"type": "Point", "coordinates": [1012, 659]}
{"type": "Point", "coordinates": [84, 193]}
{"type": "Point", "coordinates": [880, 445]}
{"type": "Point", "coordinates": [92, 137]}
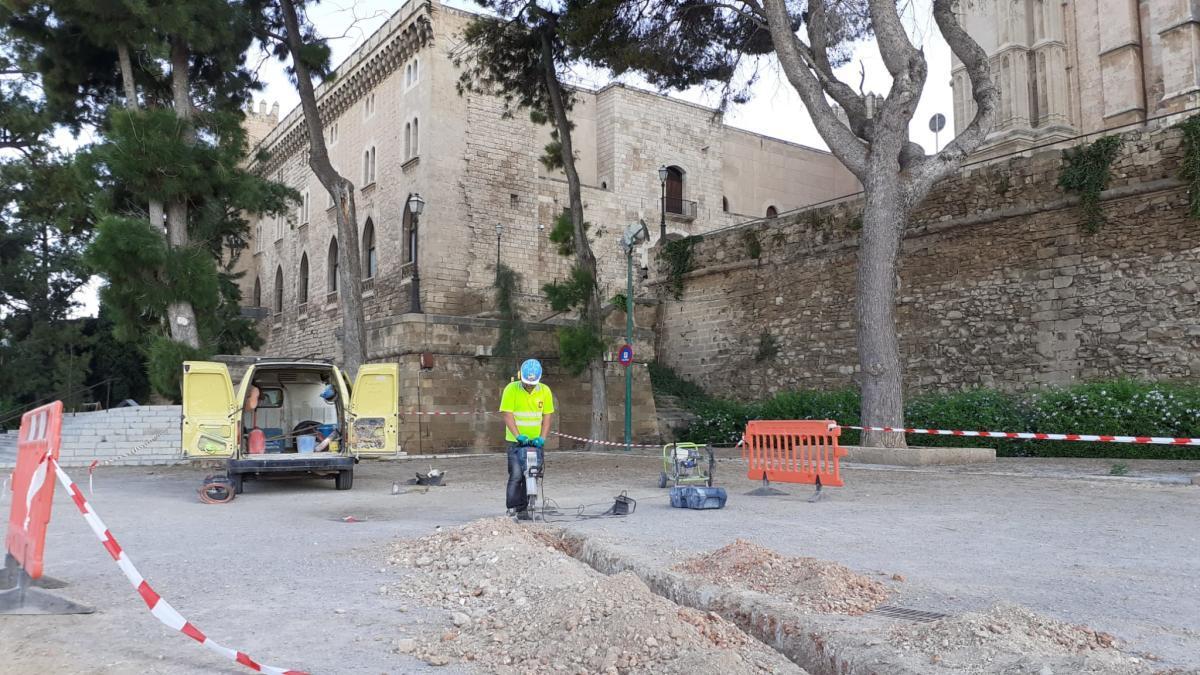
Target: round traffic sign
{"type": "Point", "coordinates": [625, 356]}
{"type": "Point", "coordinates": [937, 123]}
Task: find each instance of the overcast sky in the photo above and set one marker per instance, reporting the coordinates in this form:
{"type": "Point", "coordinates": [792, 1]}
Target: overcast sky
{"type": "Point", "coordinates": [774, 108]}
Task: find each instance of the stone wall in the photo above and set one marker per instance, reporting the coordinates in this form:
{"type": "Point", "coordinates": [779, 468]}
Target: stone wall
{"type": "Point", "coordinates": [999, 286]}
{"type": "Point", "coordinates": [135, 436]}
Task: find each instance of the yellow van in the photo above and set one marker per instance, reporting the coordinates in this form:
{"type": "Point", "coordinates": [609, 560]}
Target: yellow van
{"type": "Point", "coordinates": [290, 418]}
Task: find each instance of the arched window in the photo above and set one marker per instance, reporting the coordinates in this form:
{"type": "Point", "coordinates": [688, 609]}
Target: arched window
{"type": "Point", "coordinates": [279, 290]}
{"type": "Point", "coordinates": [331, 282]}
{"type": "Point", "coordinates": [370, 263]}
{"type": "Point", "coordinates": [303, 291]}
{"type": "Point", "coordinates": [725, 204]}
{"type": "Point", "coordinates": [406, 233]}
{"type": "Point", "coordinates": [416, 139]}
{"type": "Point", "coordinates": [674, 198]}
{"type": "Point", "coordinates": [772, 211]}
{"type": "Point", "coordinates": [407, 141]}
{"type": "Point", "coordinates": [369, 166]}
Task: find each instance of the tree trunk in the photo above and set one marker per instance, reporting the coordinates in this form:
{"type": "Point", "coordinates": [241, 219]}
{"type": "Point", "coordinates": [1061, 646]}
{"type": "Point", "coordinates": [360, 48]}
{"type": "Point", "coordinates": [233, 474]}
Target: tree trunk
{"type": "Point", "coordinates": [591, 314]}
{"type": "Point", "coordinates": [131, 101]}
{"type": "Point", "coordinates": [180, 314]}
{"type": "Point", "coordinates": [354, 331]}
{"type": "Point", "coordinates": [884, 218]}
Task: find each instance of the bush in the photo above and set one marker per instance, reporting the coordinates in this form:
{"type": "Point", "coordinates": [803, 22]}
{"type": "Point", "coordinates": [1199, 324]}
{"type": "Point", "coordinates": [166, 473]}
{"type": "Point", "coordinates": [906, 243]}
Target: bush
{"type": "Point", "coordinates": [1115, 407]}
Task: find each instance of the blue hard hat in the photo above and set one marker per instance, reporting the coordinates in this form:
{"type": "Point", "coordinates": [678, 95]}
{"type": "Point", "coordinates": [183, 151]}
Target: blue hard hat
{"type": "Point", "coordinates": [328, 393]}
{"type": "Point", "coordinates": [531, 371]}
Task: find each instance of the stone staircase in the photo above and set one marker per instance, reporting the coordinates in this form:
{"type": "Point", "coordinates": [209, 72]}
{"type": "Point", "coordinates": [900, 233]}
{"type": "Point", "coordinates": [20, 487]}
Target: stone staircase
{"type": "Point", "coordinates": [672, 416]}
{"type": "Point", "coordinates": [137, 435]}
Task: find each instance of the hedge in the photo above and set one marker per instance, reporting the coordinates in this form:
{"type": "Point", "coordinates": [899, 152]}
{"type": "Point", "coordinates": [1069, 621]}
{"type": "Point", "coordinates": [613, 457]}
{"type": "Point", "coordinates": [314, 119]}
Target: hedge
{"type": "Point", "coordinates": [1116, 407]}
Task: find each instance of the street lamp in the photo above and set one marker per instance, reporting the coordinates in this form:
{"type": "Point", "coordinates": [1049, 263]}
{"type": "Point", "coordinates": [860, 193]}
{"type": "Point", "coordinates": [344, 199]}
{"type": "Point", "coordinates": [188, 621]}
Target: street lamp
{"type": "Point", "coordinates": [415, 205]}
{"type": "Point", "coordinates": [662, 227]}
{"type": "Point", "coordinates": [634, 234]}
{"type": "Point", "coordinates": [499, 231]}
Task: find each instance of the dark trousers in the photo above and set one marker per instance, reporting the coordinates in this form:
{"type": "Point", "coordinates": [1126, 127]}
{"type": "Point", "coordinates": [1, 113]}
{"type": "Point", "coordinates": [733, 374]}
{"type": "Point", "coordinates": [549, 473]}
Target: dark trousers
{"type": "Point", "coordinates": [517, 497]}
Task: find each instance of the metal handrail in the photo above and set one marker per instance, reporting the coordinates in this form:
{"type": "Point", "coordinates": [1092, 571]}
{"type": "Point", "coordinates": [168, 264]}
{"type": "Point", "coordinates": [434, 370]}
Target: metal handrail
{"type": "Point", "coordinates": [14, 413]}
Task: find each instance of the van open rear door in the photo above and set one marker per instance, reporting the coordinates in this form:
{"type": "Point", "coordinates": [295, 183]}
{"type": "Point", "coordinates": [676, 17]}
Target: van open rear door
{"type": "Point", "coordinates": [374, 410]}
{"type": "Point", "coordinates": [210, 414]}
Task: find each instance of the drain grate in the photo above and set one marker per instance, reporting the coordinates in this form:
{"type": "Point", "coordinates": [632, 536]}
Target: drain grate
{"type": "Point", "coordinates": [914, 615]}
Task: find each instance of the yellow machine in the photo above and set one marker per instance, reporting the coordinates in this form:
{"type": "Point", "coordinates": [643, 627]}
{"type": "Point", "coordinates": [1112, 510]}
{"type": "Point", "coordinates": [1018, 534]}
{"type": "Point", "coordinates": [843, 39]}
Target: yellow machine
{"type": "Point", "coordinates": [290, 418]}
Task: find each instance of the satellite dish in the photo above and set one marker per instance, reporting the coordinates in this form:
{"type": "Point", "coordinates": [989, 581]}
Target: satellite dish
{"type": "Point", "coordinates": [937, 123]}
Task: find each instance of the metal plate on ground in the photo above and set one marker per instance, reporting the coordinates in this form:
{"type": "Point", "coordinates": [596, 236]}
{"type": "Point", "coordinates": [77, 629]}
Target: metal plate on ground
{"type": "Point", "coordinates": [906, 614]}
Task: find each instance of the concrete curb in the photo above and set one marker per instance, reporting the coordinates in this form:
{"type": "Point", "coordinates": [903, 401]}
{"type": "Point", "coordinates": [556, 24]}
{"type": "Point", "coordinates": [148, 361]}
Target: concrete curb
{"type": "Point", "coordinates": [919, 456]}
{"type": "Point", "coordinates": [820, 644]}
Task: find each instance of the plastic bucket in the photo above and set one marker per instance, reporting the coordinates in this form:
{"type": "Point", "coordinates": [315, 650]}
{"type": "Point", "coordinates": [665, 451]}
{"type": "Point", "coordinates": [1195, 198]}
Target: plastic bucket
{"type": "Point", "coordinates": [306, 443]}
{"type": "Point", "coordinates": [326, 429]}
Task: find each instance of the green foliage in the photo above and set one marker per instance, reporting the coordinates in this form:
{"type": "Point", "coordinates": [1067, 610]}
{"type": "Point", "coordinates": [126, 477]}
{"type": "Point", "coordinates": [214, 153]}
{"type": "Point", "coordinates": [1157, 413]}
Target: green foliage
{"type": "Point", "coordinates": [620, 302]}
{"type": "Point", "coordinates": [513, 341]}
{"type": "Point", "coordinates": [578, 346]}
{"type": "Point", "coordinates": [753, 245]}
{"type": "Point", "coordinates": [677, 255]}
{"type": "Point", "coordinates": [572, 293]}
{"type": "Point", "coordinates": [856, 223]}
{"type": "Point", "coordinates": [1189, 166]}
{"type": "Point", "coordinates": [1118, 469]}
{"type": "Point", "coordinates": [1085, 172]}
{"type": "Point", "coordinates": [1003, 185]}
{"type": "Point", "coordinates": [165, 366]}
{"type": "Point", "coordinates": [666, 381]}
{"type": "Point", "coordinates": [563, 234]}
{"type": "Point", "coordinates": [1117, 407]}
{"type": "Point", "coordinates": [768, 347]}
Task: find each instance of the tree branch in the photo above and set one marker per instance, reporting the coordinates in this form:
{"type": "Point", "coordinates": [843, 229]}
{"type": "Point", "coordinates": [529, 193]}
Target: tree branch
{"type": "Point", "coordinates": [853, 103]}
{"type": "Point", "coordinates": [894, 46]}
{"type": "Point", "coordinates": [983, 90]}
{"type": "Point", "coordinates": [844, 144]}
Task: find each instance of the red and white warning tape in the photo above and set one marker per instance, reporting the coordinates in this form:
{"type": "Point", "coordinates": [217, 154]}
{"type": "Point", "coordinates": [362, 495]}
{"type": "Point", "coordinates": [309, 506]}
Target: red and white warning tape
{"type": "Point", "coordinates": [1090, 438]}
{"type": "Point", "coordinates": [161, 609]}
{"type": "Point", "coordinates": [105, 462]}
{"type": "Point", "coordinates": [608, 443]}
{"type": "Point", "coordinates": [469, 412]}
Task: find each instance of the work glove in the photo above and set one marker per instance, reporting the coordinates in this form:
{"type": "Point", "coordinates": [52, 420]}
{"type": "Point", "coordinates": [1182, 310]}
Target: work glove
{"type": "Point", "coordinates": [522, 440]}
{"type": "Point", "coordinates": [538, 442]}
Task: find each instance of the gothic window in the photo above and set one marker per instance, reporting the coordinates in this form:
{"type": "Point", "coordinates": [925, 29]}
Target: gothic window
{"type": "Point", "coordinates": [369, 105]}
{"type": "Point", "coordinates": [407, 234]}
{"type": "Point", "coordinates": [331, 266]}
{"type": "Point", "coordinates": [369, 166]}
{"type": "Point", "coordinates": [257, 293]}
{"type": "Point", "coordinates": [304, 208]}
{"type": "Point", "coordinates": [368, 244]}
{"type": "Point", "coordinates": [407, 141]}
{"type": "Point", "coordinates": [333, 133]}
{"type": "Point", "coordinates": [303, 291]}
{"type": "Point", "coordinates": [674, 196]}
{"type": "Point", "coordinates": [279, 290]}
{"type": "Point", "coordinates": [416, 139]}
{"type": "Point", "coordinates": [725, 204]}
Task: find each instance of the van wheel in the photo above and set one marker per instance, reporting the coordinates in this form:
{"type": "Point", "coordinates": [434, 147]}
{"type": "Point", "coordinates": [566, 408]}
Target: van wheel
{"type": "Point", "coordinates": [344, 480]}
{"type": "Point", "coordinates": [236, 480]}
{"type": "Point", "coordinates": [662, 479]}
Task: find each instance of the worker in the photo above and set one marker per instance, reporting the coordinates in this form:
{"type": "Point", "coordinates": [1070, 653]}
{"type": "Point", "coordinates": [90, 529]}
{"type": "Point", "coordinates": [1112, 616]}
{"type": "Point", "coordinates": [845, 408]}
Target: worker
{"type": "Point", "coordinates": [527, 407]}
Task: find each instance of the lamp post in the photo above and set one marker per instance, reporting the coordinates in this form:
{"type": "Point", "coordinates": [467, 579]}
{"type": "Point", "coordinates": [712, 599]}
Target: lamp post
{"type": "Point", "coordinates": [416, 205]}
{"type": "Point", "coordinates": [499, 231]}
{"type": "Point", "coordinates": [662, 226]}
{"type": "Point", "coordinates": [634, 233]}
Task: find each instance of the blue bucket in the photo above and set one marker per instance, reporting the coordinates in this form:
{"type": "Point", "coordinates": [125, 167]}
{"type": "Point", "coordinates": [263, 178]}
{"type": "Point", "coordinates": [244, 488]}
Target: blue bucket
{"type": "Point", "coordinates": [306, 443]}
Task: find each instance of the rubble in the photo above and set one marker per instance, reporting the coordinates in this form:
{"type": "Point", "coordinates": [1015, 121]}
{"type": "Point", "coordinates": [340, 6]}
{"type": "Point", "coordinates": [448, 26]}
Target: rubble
{"type": "Point", "coordinates": [519, 604]}
{"type": "Point", "coordinates": [808, 583]}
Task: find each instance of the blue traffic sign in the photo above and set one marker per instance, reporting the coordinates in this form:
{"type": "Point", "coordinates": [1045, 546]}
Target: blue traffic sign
{"type": "Point", "coordinates": [625, 356]}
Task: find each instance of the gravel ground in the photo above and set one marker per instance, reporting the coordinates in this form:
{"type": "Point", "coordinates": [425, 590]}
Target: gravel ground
{"type": "Point", "coordinates": [279, 575]}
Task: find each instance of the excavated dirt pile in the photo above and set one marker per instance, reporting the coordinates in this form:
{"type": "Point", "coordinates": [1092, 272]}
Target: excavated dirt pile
{"type": "Point", "coordinates": [810, 584]}
{"type": "Point", "coordinates": [519, 604]}
{"type": "Point", "coordinates": [1012, 639]}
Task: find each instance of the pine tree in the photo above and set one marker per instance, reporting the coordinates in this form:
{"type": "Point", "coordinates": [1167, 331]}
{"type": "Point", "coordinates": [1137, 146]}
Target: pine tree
{"type": "Point", "coordinates": [521, 57]}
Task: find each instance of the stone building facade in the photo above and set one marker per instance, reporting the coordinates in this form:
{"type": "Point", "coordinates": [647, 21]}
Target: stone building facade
{"type": "Point", "coordinates": [396, 125]}
{"type": "Point", "coordinates": [1072, 67]}
{"type": "Point", "coordinates": [999, 286]}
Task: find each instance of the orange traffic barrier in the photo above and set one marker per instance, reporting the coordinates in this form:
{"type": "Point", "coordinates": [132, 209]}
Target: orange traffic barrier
{"type": "Point", "coordinates": [794, 451]}
{"type": "Point", "coordinates": [33, 486]}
